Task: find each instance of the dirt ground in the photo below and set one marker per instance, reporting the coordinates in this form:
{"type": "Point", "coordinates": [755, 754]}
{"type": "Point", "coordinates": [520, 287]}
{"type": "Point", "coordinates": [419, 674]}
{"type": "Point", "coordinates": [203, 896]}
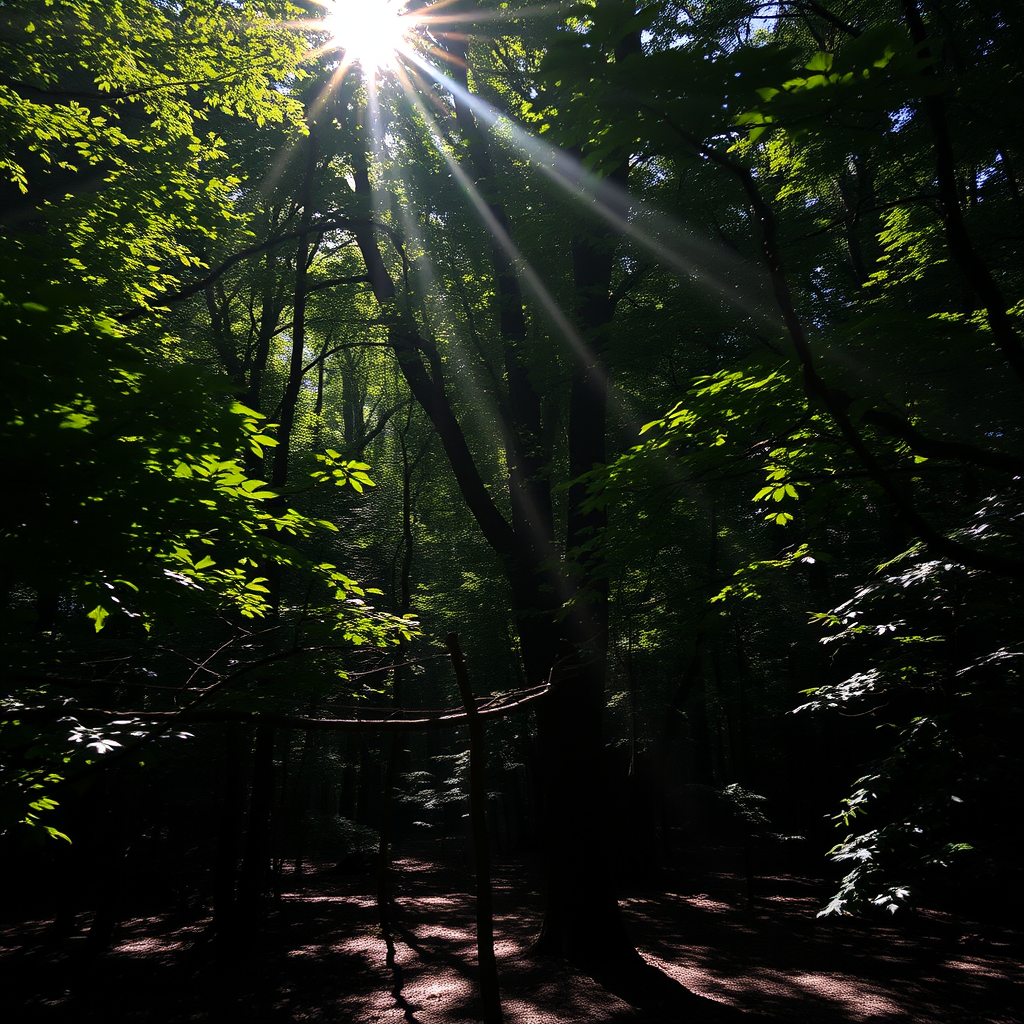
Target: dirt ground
{"type": "Point", "coordinates": [318, 957]}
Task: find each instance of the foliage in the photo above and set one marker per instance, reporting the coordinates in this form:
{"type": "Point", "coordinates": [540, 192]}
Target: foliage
{"type": "Point", "coordinates": [945, 678]}
{"type": "Point", "coordinates": [133, 499]}
{"type": "Point", "coordinates": [133, 512]}
{"type": "Point", "coordinates": [113, 116]}
{"type": "Point", "coordinates": [212, 231]}
{"type": "Point", "coordinates": [138, 532]}
{"type": "Point", "coordinates": [829, 131]}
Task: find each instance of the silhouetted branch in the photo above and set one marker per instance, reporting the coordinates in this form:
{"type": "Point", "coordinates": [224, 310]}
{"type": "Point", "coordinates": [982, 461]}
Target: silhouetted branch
{"type": "Point", "coordinates": [316, 227]}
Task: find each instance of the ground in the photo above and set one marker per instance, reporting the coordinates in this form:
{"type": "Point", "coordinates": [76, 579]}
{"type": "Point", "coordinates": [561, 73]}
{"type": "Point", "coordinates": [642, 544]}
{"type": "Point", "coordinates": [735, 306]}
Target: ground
{"type": "Point", "coordinates": [318, 957]}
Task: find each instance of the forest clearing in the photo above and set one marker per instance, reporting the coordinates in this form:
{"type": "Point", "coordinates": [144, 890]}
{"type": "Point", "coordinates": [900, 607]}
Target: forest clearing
{"type": "Point", "coordinates": [512, 510]}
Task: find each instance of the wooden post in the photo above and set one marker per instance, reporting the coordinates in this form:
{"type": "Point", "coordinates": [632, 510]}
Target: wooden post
{"type": "Point", "coordinates": [489, 995]}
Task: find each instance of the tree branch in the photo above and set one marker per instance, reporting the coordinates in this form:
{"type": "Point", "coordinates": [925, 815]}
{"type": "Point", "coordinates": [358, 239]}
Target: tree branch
{"type": "Point", "coordinates": [971, 265]}
{"type": "Point", "coordinates": [397, 720]}
{"type": "Point", "coordinates": [837, 405]}
{"type": "Point", "coordinates": [317, 227]}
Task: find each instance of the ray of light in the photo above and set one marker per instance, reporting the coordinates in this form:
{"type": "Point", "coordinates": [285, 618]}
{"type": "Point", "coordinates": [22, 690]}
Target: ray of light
{"type": "Point", "coordinates": [478, 17]}
{"type": "Point", "coordinates": [673, 244]}
{"type": "Point", "coordinates": [377, 33]}
{"type": "Point", "coordinates": [535, 285]}
{"type": "Point", "coordinates": [423, 267]}
{"type": "Point", "coordinates": [372, 32]}
{"type": "Point", "coordinates": [619, 402]}
{"type": "Point", "coordinates": [527, 274]}
{"type": "Point", "coordinates": [284, 156]}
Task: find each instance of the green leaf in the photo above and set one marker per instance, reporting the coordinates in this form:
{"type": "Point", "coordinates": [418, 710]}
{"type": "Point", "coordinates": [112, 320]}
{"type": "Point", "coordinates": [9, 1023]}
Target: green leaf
{"type": "Point", "coordinates": [99, 615]}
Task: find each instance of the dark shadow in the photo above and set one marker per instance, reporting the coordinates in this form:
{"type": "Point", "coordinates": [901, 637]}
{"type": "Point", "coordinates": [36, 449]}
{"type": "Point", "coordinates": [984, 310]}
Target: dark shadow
{"type": "Point", "coordinates": [318, 956]}
{"type": "Point", "coordinates": [647, 988]}
{"type": "Point", "coordinates": [398, 983]}
{"type": "Point", "coordinates": [434, 953]}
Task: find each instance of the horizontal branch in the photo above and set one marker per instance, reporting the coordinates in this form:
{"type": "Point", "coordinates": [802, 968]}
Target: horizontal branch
{"type": "Point", "coordinates": [317, 227]}
{"type": "Point", "coordinates": [398, 720]}
{"type": "Point", "coordinates": [937, 448]}
{"type": "Point", "coordinates": [351, 279]}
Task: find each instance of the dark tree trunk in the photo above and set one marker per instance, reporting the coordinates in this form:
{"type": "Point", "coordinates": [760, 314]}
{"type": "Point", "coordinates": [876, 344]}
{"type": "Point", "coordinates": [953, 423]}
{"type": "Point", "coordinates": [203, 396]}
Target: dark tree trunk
{"type": "Point", "coordinates": [489, 994]}
{"type": "Point", "coordinates": [403, 603]}
{"type": "Point", "coordinates": [293, 384]}
{"type": "Point", "coordinates": [254, 878]}
{"type": "Point", "coordinates": [582, 918]}
{"type": "Point", "coordinates": [229, 835]}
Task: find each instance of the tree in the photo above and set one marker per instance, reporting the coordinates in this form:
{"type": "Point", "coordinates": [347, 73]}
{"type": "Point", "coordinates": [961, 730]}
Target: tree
{"type": "Point", "coordinates": [782, 242]}
{"type": "Point", "coordinates": [135, 515]}
{"type": "Point", "coordinates": [559, 599]}
{"type": "Point", "coordinates": [897, 299]}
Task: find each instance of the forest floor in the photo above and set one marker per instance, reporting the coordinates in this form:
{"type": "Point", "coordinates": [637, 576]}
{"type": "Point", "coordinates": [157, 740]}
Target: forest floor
{"type": "Point", "coordinates": [319, 958]}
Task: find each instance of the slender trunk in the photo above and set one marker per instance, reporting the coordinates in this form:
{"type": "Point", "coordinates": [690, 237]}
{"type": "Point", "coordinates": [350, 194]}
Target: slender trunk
{"type": "Point", "coordinates": [384, 840]}
{"type": "Point", "coordinates": [221, 333]}
{"type": "Point", "coordinates": [489, 994]}
{"type": "Point", "coordinates": [254, 878]}
{"type": "Point", "coordinates": [228, 839]}
{"type": "Point", "coordinates": [293, 385]}
{"type": "Point", "coordinates": [384, 869]}
{"type": "Point", "coordinates": [376, 269]}
{"type": "Point", "coordinates": [270, 312]}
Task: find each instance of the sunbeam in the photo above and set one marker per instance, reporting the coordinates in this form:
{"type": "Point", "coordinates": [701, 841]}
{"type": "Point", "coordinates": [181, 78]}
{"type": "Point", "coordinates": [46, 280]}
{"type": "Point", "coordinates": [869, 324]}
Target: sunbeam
{"type": "Point", "coordinates": [499, 424]}
{"type": "Point", "coordinates": [492, 423]}
{"type": "Point", "coordinates": [527, 274]}
{"type": "Point", "coordinates": [672, 244]}
{"type": "Point", "coordinates": [617, 208]}
{"type": "Point", "coordinates": [618, 402]}
{"type": "Point", "coordinates": [389, 34]}
{"type": "Point", "coordinates": [371, 32]}
{"type": "Point", "coordinates": [712, 267]}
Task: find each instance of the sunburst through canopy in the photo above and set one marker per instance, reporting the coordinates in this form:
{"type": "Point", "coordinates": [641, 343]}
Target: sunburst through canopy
{"type": "Point", "coordinates": [371, 32]}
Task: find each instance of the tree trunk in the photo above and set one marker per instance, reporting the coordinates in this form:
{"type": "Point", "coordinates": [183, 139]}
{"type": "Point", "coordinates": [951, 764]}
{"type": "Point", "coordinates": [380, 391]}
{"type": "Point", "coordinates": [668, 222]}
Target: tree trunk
{"type": "Point", "coordinates": [228, 839]}
{"type": "Point", "coordinates": [293, 385]}
{"type": "Point", "coordinates": [489, 994]}
{"type": "Point", "coordinates": [254, 878]}
{"type": "Point", "coordinates": [582, 919]}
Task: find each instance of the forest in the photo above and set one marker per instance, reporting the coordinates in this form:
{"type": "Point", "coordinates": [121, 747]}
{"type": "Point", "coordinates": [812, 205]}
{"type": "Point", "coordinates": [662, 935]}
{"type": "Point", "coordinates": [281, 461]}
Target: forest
{"type": "Point", "coordinates": [513, 510]}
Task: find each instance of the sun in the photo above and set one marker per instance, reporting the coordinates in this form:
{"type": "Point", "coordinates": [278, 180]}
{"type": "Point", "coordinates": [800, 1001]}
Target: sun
{"type": "Point", "coordinates": [371, 32]}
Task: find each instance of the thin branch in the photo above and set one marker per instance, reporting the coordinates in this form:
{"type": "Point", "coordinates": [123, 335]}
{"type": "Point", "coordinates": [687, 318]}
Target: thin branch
{"type": "Point", "coordinates": [936, 448]}
{"type": "Point", "coordinates": [837, 405]}
{"type": "Point", "coordinates": [397, 720]}
{"type": "Point", "coordinates": [924, 198]}
{"type": "Point", "coordinates": [353, 279]}
{"type": "Point", "coordinates": [973, 268]}
{"type": "Point", "coordinates": [319, 227]}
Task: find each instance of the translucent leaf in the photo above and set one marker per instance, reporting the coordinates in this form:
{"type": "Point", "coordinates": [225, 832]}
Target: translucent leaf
{"type": "Point", "coordinates": [99, 615]}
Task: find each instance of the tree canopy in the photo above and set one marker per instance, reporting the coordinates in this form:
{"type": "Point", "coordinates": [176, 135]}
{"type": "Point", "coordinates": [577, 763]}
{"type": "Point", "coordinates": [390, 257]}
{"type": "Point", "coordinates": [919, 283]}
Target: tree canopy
{"type": "Point", "coordinates": [671, 351]}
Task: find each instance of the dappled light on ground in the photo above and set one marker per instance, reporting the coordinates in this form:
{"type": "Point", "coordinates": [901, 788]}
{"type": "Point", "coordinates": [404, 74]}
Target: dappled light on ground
{"type": "Point", "coordinates": [319, 957]}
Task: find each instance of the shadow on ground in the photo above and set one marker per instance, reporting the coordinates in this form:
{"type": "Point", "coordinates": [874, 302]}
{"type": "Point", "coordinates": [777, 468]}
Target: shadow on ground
{"type": "Point", "coordinates": [319, 957]}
